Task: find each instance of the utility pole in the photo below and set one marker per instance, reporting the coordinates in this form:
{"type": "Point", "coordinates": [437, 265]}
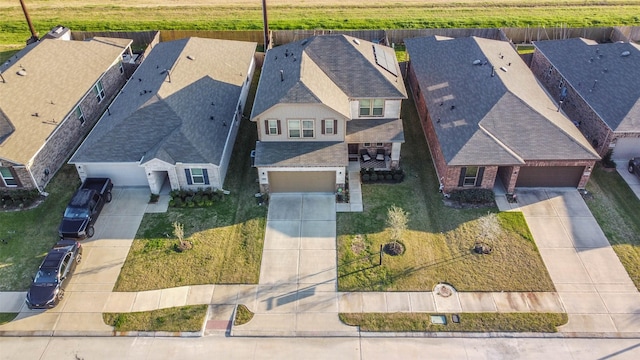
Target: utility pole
{"type": "Point", "coordinates": [34, 33]}
{"type": "Point", "coordinates": [266, 25]}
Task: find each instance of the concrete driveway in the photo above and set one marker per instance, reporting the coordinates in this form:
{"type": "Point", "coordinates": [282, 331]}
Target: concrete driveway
{"type": "Point", "coordinates": [631, 179]}
{"type": "Point", "coordinates": [297, 294]}
{"type": "Point", "coordinates": [93, 281]}
{"type": "Point", "coordinates": [593, 286]}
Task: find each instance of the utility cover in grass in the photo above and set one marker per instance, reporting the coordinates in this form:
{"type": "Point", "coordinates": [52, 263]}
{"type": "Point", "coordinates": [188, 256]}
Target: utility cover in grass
{"type": "Point", "coordinates": [438, 319]}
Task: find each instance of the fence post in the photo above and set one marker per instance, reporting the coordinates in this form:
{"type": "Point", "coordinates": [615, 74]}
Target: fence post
{"type": "Point", "coordinates": [381, 246]}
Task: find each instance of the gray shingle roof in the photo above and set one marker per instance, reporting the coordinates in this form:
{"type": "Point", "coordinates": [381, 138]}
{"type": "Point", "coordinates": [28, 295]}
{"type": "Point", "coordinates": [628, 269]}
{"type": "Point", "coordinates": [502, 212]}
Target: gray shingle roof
{"type": "Point", "coordinates": [58, 75]}
{"type": "Point", "coordinates": [482, 119]}
{"type": "Point", "coordinates": [326, 69]}
{"type": "Point", "coordinates": [301, 154]}
{"type": "Point", "coordinates": [361, 131]}
{"type": "Point", "coordinates": [185, 116]}
{"type": "Point", "coordinates": [616, 97]}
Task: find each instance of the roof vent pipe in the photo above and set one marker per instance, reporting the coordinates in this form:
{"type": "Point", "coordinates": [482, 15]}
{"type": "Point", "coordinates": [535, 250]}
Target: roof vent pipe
{"type": "Point", "coordinates": [281, 75]}
{"type": "Point", "coordinates": [493, 71]}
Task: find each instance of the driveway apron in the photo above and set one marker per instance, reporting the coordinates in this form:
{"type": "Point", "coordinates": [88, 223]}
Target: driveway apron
{"type": "Point", "coordinates": [297, 294]}
{"type": "Point", "coordinates": [593, 286]}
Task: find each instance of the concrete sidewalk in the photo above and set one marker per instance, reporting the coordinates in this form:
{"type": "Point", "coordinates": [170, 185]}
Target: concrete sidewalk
{"type": "Point", "coordinates": [594, 287]}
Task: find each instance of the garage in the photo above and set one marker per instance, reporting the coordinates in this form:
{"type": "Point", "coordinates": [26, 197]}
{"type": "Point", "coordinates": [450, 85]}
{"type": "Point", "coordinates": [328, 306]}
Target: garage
{"type": "Point", "coordinates": [302, 181]}
{"type": "Point", "coordinates": [122, 174]}
{"type": "Point", "coordinates": [549, 176]}
{"type": "Point", "coordinates": [626, 148]}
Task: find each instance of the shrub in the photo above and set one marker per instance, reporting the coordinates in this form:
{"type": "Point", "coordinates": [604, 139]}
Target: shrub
{"type": "Point", "coordinates": [366, 177]}
{"type": "Point", "coordinates": [473, 196]}
{"type": "Point", "coordinates": [374, 177]}
{"type": "Point", "coordinates": [607, 161]}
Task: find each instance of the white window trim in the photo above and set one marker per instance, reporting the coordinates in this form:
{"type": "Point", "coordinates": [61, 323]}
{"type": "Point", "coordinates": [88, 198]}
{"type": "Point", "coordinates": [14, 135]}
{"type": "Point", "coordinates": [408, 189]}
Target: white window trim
{"type": "Point", "coordinates": [474, 177]}
{"type": "Point", "coordinates": [301, 128]}
{"type": "Point", "coordinates": [328, 124]}
{"type": "Point", "coordinates": [99, 91]}
{"type": "Point", "coordinates": [275, 128]}
{"type": "Point", "coordinates": [371, 107]}
{"type": "Point", "coordinates": [81, 117]}
{"type": "Point", "coordinates": [193, 176]}
{"type": "Point", "coordinates": [4, 180]}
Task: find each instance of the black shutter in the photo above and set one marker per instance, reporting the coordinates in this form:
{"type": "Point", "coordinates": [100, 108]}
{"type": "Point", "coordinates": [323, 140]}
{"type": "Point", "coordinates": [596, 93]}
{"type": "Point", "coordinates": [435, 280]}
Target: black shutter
{"type": "Point", "coordinates": [335, 127]}
{"type": "Point", "coordinates": [188, 173]}
{"type": "Point", "coordinates": [463, 172]}
{"type": "Point", "coordinates": [205, 174]}
{"type": "Point", "coordinates": [322, 127]}
{"type": "Point", "coordinates": [279, 130]}
{"type": "Point", "coordinates": [266, 127]}
{"type": "Point", "coordinates": [479, 177]}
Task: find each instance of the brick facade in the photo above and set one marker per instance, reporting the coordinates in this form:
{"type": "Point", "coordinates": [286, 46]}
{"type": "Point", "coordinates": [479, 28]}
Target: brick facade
{"type": "Point", "coordinates": [71, 131]}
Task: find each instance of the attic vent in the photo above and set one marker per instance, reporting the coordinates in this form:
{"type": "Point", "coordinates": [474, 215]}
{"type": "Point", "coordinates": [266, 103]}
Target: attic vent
{"type": "Point", "coordinates": [304, 42]}
{"type": "Point", "coordinates": [625, 53]}
{"type": "Point", "coordinates": [503, 69]}
{"type": "Point", "coordinates": [356, 41]}
{"type": "Point", "coordinates": [190, 57]}
{"type": "Point", "coordinates": [22, 72]}
{"type": "Point", "coordinates": [477, 62]}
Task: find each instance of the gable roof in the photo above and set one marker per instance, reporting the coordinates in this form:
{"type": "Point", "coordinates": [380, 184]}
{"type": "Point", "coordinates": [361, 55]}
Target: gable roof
{"type": "Point", "coordinates": [58, 75]}
{"type": "Point", "coordinates": [605, 79]}
{"type": "Point", "coordinates": [492, 112]}
{"type": "Point", "coordinates": [328, 69]}
{"type": "Point", "coordinates": [177, 107]}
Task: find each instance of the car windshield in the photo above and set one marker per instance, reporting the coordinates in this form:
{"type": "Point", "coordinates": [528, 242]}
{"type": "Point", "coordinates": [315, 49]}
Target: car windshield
{"type": "Point", "coordinates": [76, 213]}
{"type": "Point", "coordinates": [44, 277]}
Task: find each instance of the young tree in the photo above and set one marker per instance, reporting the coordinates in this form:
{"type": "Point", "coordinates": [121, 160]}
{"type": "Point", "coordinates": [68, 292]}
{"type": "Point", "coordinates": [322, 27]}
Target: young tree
{"type": "Point", "coordinates": [397, 220]}
{"type": "Point", "coordinates": [178, 231]}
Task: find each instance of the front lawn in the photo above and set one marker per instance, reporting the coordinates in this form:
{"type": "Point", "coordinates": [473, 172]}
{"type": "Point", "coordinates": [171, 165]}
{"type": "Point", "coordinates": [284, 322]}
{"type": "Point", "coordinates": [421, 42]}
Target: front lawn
{"type": "Point", "coordinates": [439, 240]}
{"type": "Point", "coordinates": [616, 209]}
{"type": "Point", "coordinates": [227, 237]}
{"type": "Point", "coordinates": [28, 235]}
{"type": "Point", "coordinates": [469, 322]}
{"type": "Point", "coordinates": [184, 318]}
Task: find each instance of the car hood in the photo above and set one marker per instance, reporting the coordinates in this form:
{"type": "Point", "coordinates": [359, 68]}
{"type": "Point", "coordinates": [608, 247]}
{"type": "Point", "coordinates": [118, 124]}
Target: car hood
{"type": "Point", "coordinates": [40, 294]}
{"type": "Point", "coordinates": [72, 226]}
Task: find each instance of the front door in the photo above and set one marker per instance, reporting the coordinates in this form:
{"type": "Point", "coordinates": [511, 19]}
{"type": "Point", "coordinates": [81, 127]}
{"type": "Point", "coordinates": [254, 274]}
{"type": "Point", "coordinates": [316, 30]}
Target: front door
{"type": "Point", "coordinates": [353, 150]}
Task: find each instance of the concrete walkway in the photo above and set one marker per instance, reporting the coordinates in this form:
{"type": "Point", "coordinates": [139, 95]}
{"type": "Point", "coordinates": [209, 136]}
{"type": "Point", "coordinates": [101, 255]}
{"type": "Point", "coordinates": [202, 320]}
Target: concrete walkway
{"type": "Point", "coordinates": [355, 190]}
{"type": "Point", "coordinates": [594, 287]}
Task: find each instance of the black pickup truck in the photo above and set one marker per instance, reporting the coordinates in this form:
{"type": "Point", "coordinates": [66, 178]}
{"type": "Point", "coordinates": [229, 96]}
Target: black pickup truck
{"type": "Point", "coordinates": [83, 209]}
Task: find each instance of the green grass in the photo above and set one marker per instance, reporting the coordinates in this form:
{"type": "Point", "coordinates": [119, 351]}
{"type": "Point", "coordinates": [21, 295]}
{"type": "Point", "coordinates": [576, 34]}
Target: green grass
{"type": "Point", "coordinates": [469, 322]}
{"type": "Point", "coordinates": [616, 209]}
{"type": "Point", "coordinates": [31, 233]}
{"type": "Point", "coordinates": [439, 239]}
{"type": "Point", "coordinates": [7, 317]}
{"type": "Point", "coordinates": [227, 237]}
{"type": "Point", "coordinates": [185, 318]}
{"type": "Point", "coordinates": [243, 315]}
{"type": "Point", "coordinates": [386, 15]}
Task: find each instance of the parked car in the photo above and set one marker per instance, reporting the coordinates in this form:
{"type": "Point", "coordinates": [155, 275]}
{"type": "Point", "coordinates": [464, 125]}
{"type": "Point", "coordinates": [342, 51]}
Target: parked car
{"type": "Point", "coordinates": [47, 288]}
{"type": "Point", "coordinates": [634, 166]}
{"type": "Point", "coordinates": [83, 209]}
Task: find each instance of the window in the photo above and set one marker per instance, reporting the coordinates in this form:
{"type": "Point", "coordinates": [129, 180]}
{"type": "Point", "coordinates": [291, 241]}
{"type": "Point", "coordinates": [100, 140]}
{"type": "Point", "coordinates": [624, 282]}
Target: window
{"type": "Point", "coordinates": [99, 91]}
{"type": "Point", "coordinates": [471, 176]}
{"type": "Point", "coordinates": [373, 107]}
{"type": "Point", "coordinates": [301, 128]}
{"type": "Point", "coordinates": [329, 127]}
{"type": "Point", "coordinates": [379, 144]}
{"type": "Point", "coordinates": [79, 115]}
{"type": "Point", "coordinates": [273, 127]}
{"type": "Point", "coordinates": [367, 144]}
{"type": "Point", "coordinates": [7, 177]}
{"type": "Point", "coordinates": [196, 176]}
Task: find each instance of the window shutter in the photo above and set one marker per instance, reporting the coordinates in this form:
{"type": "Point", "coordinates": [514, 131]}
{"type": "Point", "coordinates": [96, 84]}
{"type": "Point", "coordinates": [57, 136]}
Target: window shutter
{"type": "Point", "coordinates": [188, 173]}
{"type": "Point", "coordinates": [335, 127]}
{"type": "Point", "coordinates": [479, 176]}
{"type": "Point", "coordinates": [15, 177]}
{"type": "Point", "coordinates": [205, 174]}
{"type": "Point", "coordinates": [463, 172]}
{"type": "Point", "coordinates": [322, 126]}
{"type": "Point", "coordinates": [279, 130]}
{"type": "Point", "coordinates": [266, 127]}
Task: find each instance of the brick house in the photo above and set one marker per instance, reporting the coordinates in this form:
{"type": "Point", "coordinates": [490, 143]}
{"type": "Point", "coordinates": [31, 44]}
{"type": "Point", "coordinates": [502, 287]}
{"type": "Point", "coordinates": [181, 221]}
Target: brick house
{"type": "Point", "coordinates": [176, 120]}
{"type": "Point", "coordinates": [51, 95]}
{"type": "Point", "coordinates": [322, 102]}
{"type": "Point", "coordinates": [597, 87]}
{"type": "Point", "coordinates": [486, 118]}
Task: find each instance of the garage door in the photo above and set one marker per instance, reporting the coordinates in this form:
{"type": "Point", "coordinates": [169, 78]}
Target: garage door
{"type": "Point", "coordinates": [120, 174]}
{"type": "Point", "coordinates": [298, 181]}
{"type": "Point", "coordinates": [549, 176]}
{"type": "Point", "coordinates": [626, 149]}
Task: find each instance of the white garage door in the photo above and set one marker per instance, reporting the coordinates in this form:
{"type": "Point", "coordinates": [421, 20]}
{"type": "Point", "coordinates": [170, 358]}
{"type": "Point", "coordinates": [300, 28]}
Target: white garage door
{"type": "Point", "coordinates": [626, 148]}
{"type": "Point", "coordinates": [120, 174]}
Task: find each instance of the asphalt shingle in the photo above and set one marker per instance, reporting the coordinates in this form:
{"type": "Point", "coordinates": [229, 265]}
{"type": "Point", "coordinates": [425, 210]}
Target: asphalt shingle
{"type": "Point", "coordinates": [301, 154]}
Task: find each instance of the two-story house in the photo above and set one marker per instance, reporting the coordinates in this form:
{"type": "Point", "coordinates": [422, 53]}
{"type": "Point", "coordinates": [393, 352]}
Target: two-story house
{"type": "Point", "coordinates": [51, 95]}
{"type": "Point", "coordinates": [322, 102]}
{"type": "Point", "coordinates": [596, 85]}
{"type": "Point", "coordinates": [487, 119]}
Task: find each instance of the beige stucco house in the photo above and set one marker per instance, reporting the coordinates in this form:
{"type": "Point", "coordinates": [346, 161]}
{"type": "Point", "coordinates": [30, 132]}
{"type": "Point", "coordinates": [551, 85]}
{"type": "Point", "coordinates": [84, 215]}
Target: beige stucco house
{"type": "Point", "coordinates": [322, 102]}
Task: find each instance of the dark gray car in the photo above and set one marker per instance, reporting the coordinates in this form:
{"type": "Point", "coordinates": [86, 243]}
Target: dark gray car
{"type": "Point", "coordinates": [634, 166]}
